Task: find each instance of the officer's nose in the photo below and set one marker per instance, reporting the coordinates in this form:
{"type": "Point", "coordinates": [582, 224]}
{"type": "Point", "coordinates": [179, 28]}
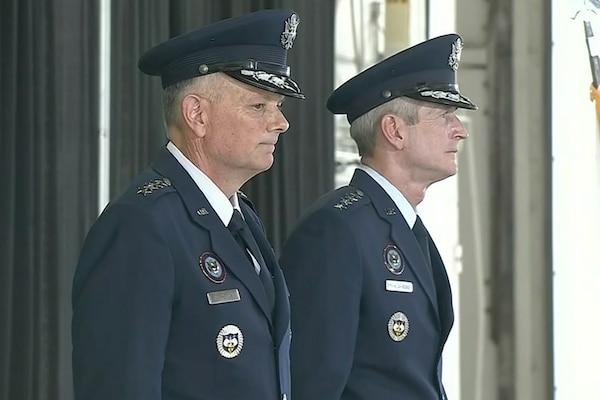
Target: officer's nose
{"type": "Point", "coordinates": [458, 129]}
{"type": "Point", "coordinates": [279, 123]}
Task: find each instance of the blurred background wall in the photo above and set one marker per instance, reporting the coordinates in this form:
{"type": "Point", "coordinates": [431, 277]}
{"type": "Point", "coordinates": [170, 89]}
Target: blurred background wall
{"type": "Point", "coordinates": [518, 227]}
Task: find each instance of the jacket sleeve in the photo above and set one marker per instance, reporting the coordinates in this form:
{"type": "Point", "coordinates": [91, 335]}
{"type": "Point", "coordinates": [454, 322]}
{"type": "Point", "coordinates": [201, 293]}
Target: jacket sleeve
{"type": "Point", "coordinates": [122, 297]}
{"type": "Point", "coordinates": [322, 265]}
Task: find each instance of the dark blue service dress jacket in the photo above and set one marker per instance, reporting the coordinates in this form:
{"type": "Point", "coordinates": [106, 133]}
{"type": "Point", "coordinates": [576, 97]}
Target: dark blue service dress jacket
{"type": "Point", "coordinates": [167, 306]}
{"type": "Point", "coordinates": [369, 318]}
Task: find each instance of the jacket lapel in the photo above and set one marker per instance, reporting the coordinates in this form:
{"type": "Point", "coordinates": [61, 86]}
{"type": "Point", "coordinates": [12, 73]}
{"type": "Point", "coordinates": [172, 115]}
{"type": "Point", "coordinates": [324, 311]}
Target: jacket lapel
{"type": "Point", "coordinates": [223, 243]}
{"type": "Point", "coordinates": [446, 313]}
{"type": "Point", "coordinates": [400, 232]}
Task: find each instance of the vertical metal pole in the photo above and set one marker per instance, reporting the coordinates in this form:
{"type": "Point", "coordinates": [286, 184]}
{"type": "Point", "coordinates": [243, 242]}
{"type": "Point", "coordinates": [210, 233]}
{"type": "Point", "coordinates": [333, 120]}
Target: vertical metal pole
{"type": "Point", "coordinates": [531, 225]}
{"type": "Point", "coordinates": [373, 49]}
{"type": "Point", "coordinates": [104, 104]}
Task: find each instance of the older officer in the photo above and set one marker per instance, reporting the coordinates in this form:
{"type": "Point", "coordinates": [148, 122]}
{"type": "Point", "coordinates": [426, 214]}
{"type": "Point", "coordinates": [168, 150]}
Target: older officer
{"type": "Point", "coordinates": [178, 294]}
{"type": "Point", "coordinates": [371, 302]}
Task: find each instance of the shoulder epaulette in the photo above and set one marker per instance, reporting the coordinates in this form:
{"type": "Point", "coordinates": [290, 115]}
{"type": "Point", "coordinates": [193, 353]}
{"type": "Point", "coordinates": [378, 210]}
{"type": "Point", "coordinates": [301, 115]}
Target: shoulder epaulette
{"type": "Point", "coordinates": [349, 199]}
{"type": "Point", "coordinates": [152, 186]}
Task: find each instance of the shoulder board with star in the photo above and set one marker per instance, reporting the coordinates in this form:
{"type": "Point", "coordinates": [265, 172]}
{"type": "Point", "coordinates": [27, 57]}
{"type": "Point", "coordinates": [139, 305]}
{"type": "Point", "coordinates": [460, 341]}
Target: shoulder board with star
{"type": "Point", "coordinates": [154, 187]}
{"type": "Point", "coordinates": [348, 198]}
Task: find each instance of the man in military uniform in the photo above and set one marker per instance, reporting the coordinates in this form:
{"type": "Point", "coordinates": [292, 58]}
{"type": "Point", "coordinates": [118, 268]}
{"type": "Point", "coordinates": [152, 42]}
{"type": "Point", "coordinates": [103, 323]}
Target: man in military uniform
{"type": "Point", "coordinates": [370, 297]}
{"type": "Point", "coordinates": [178, 294]}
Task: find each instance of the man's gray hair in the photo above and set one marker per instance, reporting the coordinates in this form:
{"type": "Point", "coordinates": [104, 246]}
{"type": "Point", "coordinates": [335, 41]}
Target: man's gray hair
{"type": "Point", "coordinates": [365, 128]}
{"type": "Point", "coordinates": [206, 85]}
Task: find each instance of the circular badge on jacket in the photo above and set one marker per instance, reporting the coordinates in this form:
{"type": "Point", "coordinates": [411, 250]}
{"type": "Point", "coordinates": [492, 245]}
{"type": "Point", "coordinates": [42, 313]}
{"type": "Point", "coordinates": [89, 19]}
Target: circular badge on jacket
{"type": "Point", "coordinates": [393, 259]}
{"type": "Point", "coordinates": [398, 326]}
{"type": "Point", "coordinates": [230, 341]}
{"type": "Point", "coordinates": [212, 267]}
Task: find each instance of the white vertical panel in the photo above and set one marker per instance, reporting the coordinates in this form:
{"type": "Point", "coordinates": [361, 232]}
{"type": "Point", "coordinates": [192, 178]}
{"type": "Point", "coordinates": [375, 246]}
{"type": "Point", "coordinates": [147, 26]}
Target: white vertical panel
{"type": "Point", "coordinates": [442, 16]}
{"type": "Point", "coordinates": [418, 20]}
{"type": "Point", "coordinates": [576, 210]}
{"type": "Point", "coordinates": [104, 104]}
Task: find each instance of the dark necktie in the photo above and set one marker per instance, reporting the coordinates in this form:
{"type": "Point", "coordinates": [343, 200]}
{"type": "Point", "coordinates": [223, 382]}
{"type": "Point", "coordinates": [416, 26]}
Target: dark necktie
{"type": "Point", "coordinates": [423, 239]}
{"type": "Point", "coordinates": [243, 236]}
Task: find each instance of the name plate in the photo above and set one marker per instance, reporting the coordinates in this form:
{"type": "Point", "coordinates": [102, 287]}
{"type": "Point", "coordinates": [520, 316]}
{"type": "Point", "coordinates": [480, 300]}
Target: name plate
{"type": "Point", "coordinates": [223, 296]}
{"type": "Point", "coordinates": [398, 286]}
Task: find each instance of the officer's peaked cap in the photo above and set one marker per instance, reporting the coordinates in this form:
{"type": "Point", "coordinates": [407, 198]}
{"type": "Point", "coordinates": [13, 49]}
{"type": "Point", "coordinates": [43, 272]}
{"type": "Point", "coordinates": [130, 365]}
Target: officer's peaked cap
{"type": "Point", "coordinates": [251, 48]}
{"type": "Point", "coordinates": [424, 72]}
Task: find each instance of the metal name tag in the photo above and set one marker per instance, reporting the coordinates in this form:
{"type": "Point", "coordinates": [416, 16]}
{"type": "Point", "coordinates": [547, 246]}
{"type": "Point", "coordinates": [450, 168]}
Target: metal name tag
{"type": "Point", "coordinates": [223, 296]}
{"type": "Point", "coordinates": [399, 286]}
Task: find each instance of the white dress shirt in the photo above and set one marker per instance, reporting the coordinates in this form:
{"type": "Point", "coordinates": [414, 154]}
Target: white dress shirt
{"type": "Point", "coordinates": [408, 212]}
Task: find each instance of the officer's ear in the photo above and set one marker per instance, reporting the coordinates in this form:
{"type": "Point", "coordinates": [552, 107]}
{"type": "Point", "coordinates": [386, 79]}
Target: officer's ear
{"type": "Point", "coordinates": [194, 110]}
{"type": "Point", "coordinates": [393, 129]}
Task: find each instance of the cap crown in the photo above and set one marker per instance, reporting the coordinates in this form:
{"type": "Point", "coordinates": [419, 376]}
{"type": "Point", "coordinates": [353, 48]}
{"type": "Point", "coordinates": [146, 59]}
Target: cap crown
{"type": "Point", "coordinates": [252, 48]}
{"type": "Point", "coordinates": [425, 72]}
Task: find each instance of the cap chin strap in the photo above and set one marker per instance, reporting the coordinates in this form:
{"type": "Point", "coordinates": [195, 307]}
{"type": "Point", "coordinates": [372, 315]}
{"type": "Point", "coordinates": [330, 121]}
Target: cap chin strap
{"type": "Point", "coordinates": [419, 89]}
{"type": "Point", "coordinates": [251, 65]}
{"type": "Point", "coordinates": [450, 97]}
{"type": "Point", "coordinates": [443, 93]}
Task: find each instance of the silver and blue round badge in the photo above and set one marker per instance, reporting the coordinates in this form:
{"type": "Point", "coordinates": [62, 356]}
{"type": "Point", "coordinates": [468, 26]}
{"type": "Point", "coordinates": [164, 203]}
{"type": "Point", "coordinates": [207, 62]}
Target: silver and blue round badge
{"type": "Point", "coordinates": [212, 267]}
{"type": "Point", "coordinates": [230, 341]}
{"type": "Point", "coordinates": [398, 326]}
{"type": "Point", "coordinates": [393, 259]}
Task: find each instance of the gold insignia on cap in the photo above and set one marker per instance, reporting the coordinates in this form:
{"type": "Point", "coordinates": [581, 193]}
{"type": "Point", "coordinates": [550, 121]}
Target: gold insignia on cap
{"type": "Point", "coordinates": [230, 341]}
{"type": "Point", "coordinates": [393, 259]}
{"type": "Point", "coordinates": [348, 199]}
{"type": "Point", "coordinates": [289, 33]}
{"type": "Point", "coordinates": [454, 58]}
{"type": "Point", "coordinates": [398, 326]}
